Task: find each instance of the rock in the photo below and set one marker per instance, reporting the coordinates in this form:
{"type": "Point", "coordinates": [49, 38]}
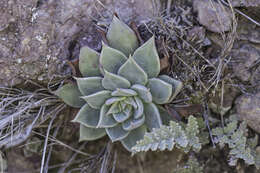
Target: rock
{"type": "Point", "coordinates": [248, 109]}
{"type": "Point", "coordinates": [244, 58]}
{"type": "Point", "coordinates": [214, 16]}
{"type": "Point", "coordinates": [248, 31]}
{"type": "Point", "coordinates": [245, 3]}
{"type": "Point", "coordinates": [38, 37]}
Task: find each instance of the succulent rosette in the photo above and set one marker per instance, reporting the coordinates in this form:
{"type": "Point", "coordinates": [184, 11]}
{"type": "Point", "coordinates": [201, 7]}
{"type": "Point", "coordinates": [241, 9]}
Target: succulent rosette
{"type": "Point", "coordinates": [121, 90]}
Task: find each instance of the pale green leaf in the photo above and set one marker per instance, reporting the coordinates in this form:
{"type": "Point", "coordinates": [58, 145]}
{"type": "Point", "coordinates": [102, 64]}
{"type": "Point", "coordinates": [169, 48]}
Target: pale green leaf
{"type": "Point", "coordinates": [147, 58]}
{"type": "Point", "coordinates": [87, 116]}
{"type": "Point", "coordinates": [90, 134]}
{"type": "Point", "coordinates": [152, 116]}
{"type": "Point", "coordinates": [133, 123]}
{"type": "Point", "coordinates": [160, 90]}
{"type": "Point", "coordinates": [112, 81]}
{"type": "Point", "coordinates": [176, 85]}
{"type": "Point", "coordinates": [106, 120]}
{"type": "Point", "coordinates": [113, 100]}
{"type": "Point", "coordinates": [134, 136]}
{"type": "Point", "coordinates": [116, 133]}
{"type": "Point", "coordinates": [133, 72]}
{"type": "Point", "coordinates": [89, 85]}
{"type": "Point", "coordinates": [123, 92]}
{"type": "Point", "coordinates": [97, 99]}
{"type": "Point", "coordinates": [111, 59]}
{"type": "Point", "coordinates": [121, 37]}
{"type": "Point", "coordinates": [143, 93]}
{"type": "Point", "coordinates": [121, 116]}
{"type": "Point", "coordinates": [89, 62]}
{"type": "Point", "coordinates": [70, 94]}
{"type": "Point", "coordinates": [138, 112]}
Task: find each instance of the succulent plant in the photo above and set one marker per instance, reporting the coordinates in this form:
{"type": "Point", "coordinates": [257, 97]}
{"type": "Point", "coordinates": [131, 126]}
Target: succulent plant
{"type": "Point", "coordinates": [121, 89]}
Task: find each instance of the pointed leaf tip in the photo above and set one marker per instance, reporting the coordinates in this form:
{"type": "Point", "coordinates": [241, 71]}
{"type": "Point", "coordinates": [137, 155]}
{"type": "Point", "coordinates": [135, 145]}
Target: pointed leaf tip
{"type": "Point", "coordinates": [70, 94]}
{"type": "Point", "coordinates": [111, 59]}
{"type": "Point", "coordinates": [121, 37]}
{"type": "Point", "coordinates": [147, 58]}
{"type": "Point", "coordinates": [133, 72]}
{"type": "Point", "coordinates": [112, 81]}
{"type": "Point", "coordinates": [89, 62]}
{"type": "Point", "coordinates": [90, 134]}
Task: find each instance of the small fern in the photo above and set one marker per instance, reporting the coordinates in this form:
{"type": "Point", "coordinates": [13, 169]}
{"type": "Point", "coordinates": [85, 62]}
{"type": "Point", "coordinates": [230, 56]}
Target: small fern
{"type": "Point", "coordinates": [166, 137]}
{"type": "Point", "coordinates": [234, 136]}
{"type": "Point", "coordinates": [192, 166]}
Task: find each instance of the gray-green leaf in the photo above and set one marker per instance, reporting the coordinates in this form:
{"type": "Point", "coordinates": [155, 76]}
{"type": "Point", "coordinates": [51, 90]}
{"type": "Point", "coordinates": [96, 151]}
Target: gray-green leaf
{"type": "Point", "coordinates": [111, 59]}
{"type": "Point", "coordinates": [90, 134]}
{"type": "Point", "coordinates": [89, 62]}
{"type": "Point", "coordinates": [143, 93]}
{"type": "Point", "coordinates": [97, 99]}
{"type": "Point", "coordinates": [70, 94]}
{"type": "Point", "coordinates": [147, 58]}
{"type": "Point", "coordinates": [106, 120]}
{"type": "Point", "coordinates": [134, 136]}
{"type": "Point", "coordinates": [121, 37]}
{"type": "Point", "coordinates": [152, 116]}
{"type": "Point", "coordinates": [116, 133]}
{"type": "Point", "coordinates": [87, 116]}
{"type": "Point", "coordinates": [112, 81]}
{"type": "Point", "coordinates": [133, 72]}
{"type": "Point", "coordinates": [89, 85]}
{"type": "Point", "coordinates": [161, 91]}
{"type": "Point", "coordinates": [176, 85]}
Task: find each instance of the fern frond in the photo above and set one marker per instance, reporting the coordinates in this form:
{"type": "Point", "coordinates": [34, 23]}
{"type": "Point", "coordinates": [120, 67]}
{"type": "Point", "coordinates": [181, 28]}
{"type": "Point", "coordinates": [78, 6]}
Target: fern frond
{"type": "Point", "coordinates": [166, 137]}
{"type": "Point", "coordinates": [234, 136]}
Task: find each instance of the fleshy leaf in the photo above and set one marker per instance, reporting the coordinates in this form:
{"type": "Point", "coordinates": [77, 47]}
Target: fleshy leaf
{"type": "Point", "coordinates": [111, 59]}
{"type": "Point", "coordinates": [161, 91]}
{"type": "Point", "coordinates": [128, 110]}
{"type": "Point", "coordinates": [112, 81]}
{"type": "Point", "coordinates": [134, 136]}
{"type": "Point", "coordinates": [176, 85]}
{"type": "Point", "coordinates": [116, 133]}
{"type": "Point", "coordinates": [123, 92]}
{"type": "Point", "coordinates": [152, 116]}
{"type": "Point", "coordinates": [132, 123]}
{"type": "Point", "coordinates": [89, 62]}
{"type": "Point", "coordinates": [130, 101]}
{"type": "Point", "coordinates": [147, 58]}
{"type": "Point", "coordinates": [121, 37]}
{"type": "Point", "coordinates": [90, 134]}
{"type": "Point", "coordinates": [87, 116]}
{"type": "Point", "coordinates": [112, 100]}
{"type": "Point", "coordinates": [121, 117]}
{"type": "Point", "coordinates": [133, 72]}
{"type": "Point", "coordinates": [89, 85]}
{"type": "Point", "coordinates": [165, 116]}
{"type": "Point", "coordinates": [70, 94]}
{"type": "Point", "coordinates": [143, 93]}
{"type": "Point", "coordinates": [106, 120]}
{"type": "Point", "coordinates": [114, 108]}
{"type": "Point", "coordinates": [140, 108]}
{"type": "Point", "coordinates": [97, 99]}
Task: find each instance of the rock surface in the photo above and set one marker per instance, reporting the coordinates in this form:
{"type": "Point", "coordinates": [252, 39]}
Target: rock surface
{"type": "Point", "coordinates": [244, 59]}
{"type": "Point", "coordinates": [245, 3]}
{"type": "Point", "coordinates": [38, 36]}
{"type": "Point", "coordinates": [248, 109]}
{"type": "Point", "coordinates": [214, 16]}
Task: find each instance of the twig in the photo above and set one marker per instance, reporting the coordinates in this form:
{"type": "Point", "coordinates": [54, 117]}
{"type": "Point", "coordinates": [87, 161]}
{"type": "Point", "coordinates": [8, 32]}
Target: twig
{"type": "Point", "coordinates": [51, 147]}
{"type": "Point", "coordinates": [46, 142]}
{"type": "Point", "coordinates": [206, 119]}
{"type": "Point", "coordinates": [68, 163]}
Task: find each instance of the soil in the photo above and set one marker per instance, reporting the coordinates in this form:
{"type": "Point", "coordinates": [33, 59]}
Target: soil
{"type": "Point", "coordinates": [40, 38]}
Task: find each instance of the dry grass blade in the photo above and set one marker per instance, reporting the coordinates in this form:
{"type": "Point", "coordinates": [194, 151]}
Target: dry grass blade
{"type": "Point", "coordinates": [21, 111]}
